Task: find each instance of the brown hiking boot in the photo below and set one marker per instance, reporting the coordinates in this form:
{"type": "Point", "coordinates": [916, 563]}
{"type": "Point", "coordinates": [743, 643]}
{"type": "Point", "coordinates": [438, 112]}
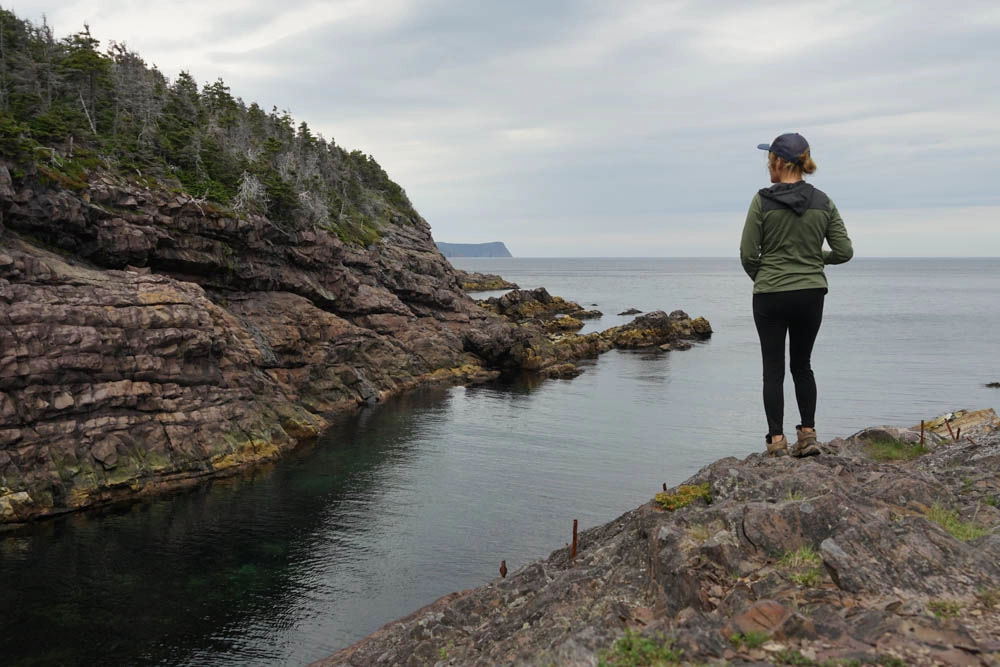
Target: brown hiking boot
{"type": "Point", "coordinates": [775, 447]}
{"type": "Point", "coordinates": [805, 444]}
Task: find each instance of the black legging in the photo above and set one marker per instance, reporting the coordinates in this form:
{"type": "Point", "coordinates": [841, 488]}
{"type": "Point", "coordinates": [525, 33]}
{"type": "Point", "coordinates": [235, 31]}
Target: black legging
{"type": "Point", "coordinates": [800, 313]}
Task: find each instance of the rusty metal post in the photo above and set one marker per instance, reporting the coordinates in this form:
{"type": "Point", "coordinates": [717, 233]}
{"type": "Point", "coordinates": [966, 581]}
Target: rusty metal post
{"type": "Point", "coordinates": [950, 432]}
{"type": "Point", "coordinates": [958, 434]}
{"type": "Point", "coordinates": [572, 553]}
{"type": "Point", "coordinates": [921, 432]}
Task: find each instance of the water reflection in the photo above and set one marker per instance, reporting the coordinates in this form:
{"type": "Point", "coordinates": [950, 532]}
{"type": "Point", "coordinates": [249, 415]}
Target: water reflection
{"type": "Point", "coordinates": [155, 582]}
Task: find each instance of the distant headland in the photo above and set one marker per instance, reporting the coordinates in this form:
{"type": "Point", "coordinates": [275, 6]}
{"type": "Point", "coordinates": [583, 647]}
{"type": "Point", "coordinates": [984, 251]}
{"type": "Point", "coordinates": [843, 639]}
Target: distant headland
{"type": "Point", "coordinates": [495, 249]}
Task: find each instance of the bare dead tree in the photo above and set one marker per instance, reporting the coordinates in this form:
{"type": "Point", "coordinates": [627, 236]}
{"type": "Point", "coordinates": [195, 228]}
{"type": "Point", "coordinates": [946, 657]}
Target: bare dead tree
{"type": "Point", "coordinates": [46, 75]}
{"type": "Point", "coordinates": [251, 196]}
{"type": "Point", "coordinates": [86, 112]}
{"type": "Point", "coordinates": [286, 165]}
{"type": "Point", "coordinates": [314, 208]}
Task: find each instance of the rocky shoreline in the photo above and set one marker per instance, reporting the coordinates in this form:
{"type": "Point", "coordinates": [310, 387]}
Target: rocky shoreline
{"type": "Point", "coordinates": [150, 340]}
{"type": "Point", "coordinates": [881, 550]}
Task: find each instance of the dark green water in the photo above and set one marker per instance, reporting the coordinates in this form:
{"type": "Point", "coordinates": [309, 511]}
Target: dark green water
{"type": "Point", "coordinates": [396, 506]}
{"type": "Point", "coordinates": [425, 494]}
{"type": "Point", "coordinates": [169, 581]}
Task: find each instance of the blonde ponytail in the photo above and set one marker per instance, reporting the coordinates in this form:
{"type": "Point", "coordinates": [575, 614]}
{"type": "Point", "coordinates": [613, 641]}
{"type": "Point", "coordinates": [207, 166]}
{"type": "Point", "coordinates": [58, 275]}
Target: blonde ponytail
{"type": "Point", "coordinates": [806, 164]}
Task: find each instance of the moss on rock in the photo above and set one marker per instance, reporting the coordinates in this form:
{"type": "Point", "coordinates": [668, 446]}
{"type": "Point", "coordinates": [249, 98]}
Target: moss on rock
{"type": "Point", "coordinates": [684, 495]}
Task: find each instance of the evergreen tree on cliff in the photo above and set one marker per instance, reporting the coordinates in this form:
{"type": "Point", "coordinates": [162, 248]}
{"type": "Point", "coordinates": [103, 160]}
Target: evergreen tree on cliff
{"type": "Point", "coordinates": [67, 108]}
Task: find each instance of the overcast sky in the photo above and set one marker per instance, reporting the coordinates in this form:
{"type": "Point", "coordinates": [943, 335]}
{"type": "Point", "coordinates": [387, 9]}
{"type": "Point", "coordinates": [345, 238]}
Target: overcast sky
{"type": "Point", "coordinates": [625, 128]}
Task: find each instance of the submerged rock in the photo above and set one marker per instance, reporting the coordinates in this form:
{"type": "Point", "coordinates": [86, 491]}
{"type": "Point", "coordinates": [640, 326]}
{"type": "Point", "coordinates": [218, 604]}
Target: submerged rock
{"type": "Point", "coordinates": [832, 559]}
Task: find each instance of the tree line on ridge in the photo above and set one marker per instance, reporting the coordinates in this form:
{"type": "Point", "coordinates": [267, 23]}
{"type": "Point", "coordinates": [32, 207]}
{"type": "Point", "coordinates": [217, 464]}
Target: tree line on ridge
{"type": "Point", "coordinates": [68, 109]}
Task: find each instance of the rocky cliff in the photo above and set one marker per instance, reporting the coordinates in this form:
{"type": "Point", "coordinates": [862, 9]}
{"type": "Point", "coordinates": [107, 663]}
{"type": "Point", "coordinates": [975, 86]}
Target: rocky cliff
{"type": "Point", "coordinates": [148, 339]}
{"type": "Point", "coordinates": [878, 551]}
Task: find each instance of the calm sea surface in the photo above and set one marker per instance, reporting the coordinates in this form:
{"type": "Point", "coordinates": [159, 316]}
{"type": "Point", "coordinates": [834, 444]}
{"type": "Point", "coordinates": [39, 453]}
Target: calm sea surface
{"type": "Point", "coordinates": [425, 494]}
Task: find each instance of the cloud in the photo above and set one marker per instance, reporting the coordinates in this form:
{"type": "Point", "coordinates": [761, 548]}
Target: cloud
{"type": "Point", "coordinates": [624, 114]}
{"type": "Point", "coordinates": [762, 34]}
{"type": "Point", "coordinates": [927, 232]}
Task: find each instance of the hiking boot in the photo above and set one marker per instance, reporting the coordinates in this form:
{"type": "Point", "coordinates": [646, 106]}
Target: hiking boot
{"type": "Point", "coordinates": [805, 443]}
{"type": "Point", "coordinates": [776, 448]}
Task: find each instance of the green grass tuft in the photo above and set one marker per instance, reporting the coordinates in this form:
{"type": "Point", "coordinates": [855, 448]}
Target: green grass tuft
{"type": "Point", "coordinates": [951, 522]}
{"type": "Point", "coordinates": [753, 639]}
{"type": "Point", "coordinates": [944, 608]}
{"type": "Point", "coordinates": [988, 597]}
{"type": "Point", "coordinates": [803, 556]}
{"type": "Point", "coordinates": [636, 650]}
{"type": "Point", "coordinates": [894, 450]}
{"type": "Point", "coordinates": [806, 565]}
{"type": "Point", "coordinates": [809, 578]}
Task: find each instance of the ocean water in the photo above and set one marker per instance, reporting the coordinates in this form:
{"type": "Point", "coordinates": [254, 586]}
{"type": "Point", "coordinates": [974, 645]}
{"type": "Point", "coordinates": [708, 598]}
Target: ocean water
{"type": "Point", "coordinates": [423, 495]}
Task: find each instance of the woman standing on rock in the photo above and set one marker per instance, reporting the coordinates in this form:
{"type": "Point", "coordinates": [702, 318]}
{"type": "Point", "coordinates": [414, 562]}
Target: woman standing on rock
{"type": "Point", "coordinates": [782, 251]}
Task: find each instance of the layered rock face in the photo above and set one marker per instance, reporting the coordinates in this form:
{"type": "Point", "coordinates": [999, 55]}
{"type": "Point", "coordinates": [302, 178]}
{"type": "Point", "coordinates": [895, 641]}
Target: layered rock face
{"type": "Point", "coordinates": [147, 340]}
{"type": "Point", "coordinates": [835, 559]}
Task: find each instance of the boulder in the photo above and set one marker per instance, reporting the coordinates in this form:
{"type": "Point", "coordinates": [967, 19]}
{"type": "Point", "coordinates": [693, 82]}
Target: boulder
{"type": "Point", "coordinates": [470, 281]}
{"type": "Point", "coordinates": [530, 305]}
{"type": "Point", "coordinates": [659, 329]}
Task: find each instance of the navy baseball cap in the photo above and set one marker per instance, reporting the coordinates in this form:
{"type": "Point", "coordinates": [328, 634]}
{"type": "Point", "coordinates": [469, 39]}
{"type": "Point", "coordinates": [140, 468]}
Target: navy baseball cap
{"type": "Point", "coordinates": [788, 147]}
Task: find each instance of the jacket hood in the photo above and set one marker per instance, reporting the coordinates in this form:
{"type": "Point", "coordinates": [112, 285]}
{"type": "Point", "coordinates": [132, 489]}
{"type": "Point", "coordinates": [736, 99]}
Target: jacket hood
{"type": "Point", "coordinates": [796, 196]}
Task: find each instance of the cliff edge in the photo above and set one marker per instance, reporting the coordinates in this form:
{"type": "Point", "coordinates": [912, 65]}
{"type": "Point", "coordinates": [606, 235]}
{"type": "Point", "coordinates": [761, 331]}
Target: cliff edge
{"type": "Point", "coordinates": [878, 551]}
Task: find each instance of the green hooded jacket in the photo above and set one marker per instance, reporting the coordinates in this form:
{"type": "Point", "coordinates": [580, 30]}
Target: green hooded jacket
{"type": "Point", "coordinates": [782, 245]}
